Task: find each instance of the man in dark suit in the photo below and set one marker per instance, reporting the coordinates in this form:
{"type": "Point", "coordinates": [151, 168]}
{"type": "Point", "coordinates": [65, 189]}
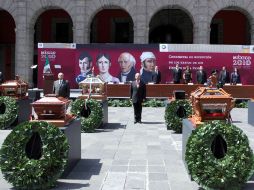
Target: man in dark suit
{"type": "Point", "coordinates": [177, 74]}
{"type": "Point", "coordinates": [156, 75]}
{"type": "Point", "coordinates": [201, 76]}
{"type": "Point", "coordinates": [127, 64]}
{"type": "Point", "coordinates": [61, 87]}
{"type": "Point", "coordinates": [1, 77]}
{"type": "Point", "coordinates": [235, 77]}
{"type": "Point", "coordinates": [138, 95]}
{"type": "Point", "coordinates": [224, 76]}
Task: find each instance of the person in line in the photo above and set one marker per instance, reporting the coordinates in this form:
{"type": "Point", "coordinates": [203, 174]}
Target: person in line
{"type": "Point", "coordinates": [187, 75]}
{"type": "Point", "coordinates": [1, 81]}
{"type": "Point", "coordinates": [148, 62]}
{"type": "Point", "coordinates": [212, 81]}
{"type": "Point", "coordinates": [156, 75]}
{"type": "Point", "coordinates": [137, 95]}
{"type": "Point", "coordinates": [1, 77]}
{"type": "Point", "coordinates": [201, 75]}
{"type": "Point", "coordinates": [103, 62]}
{"type": "Point", "coordinates": [177, 74]}
{"type": "Point", "coordinates": [224, 76]}
{"type": "Point", "coordinates": [127, 65]}
{"type": "Point", "coordinates": [235, 77]}
{"type": "Point", "coordinates": [61, 87]}
{"type": "Point", "coordinates": [85, 65]}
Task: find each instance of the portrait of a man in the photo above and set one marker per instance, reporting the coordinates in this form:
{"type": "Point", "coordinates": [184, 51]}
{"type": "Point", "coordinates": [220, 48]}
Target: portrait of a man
{"type": "Point", "coordinates": [127, 65]}
{"type": "Point", "coordinates": [85, 65]}
{"type": "Point", "coordinates": [148, 63]}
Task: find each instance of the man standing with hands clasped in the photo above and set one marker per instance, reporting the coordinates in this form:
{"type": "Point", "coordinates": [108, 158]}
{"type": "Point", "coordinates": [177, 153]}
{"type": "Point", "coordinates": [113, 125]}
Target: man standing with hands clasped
{"type": "Point", "coordinates": [61, 87]}
{"type": "Point", "coordinates": [138, 95]}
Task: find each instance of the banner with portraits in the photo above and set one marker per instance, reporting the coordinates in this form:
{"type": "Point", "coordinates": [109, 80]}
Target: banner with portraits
{"type": "Point", "coordinates": [118, 63]}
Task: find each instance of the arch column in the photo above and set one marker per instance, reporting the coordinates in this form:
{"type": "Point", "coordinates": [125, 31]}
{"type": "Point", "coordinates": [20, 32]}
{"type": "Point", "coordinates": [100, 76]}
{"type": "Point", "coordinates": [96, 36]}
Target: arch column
{"type": "Point", "coordinates": [201, 34]}
{"type": "Point", "coordinates": [24, 45]}
{"type": "Point", "coordinates": [140, 34]}
{"type": "Point", "coordinates": [252, 33]}
{"type": "Point", "coordinates": [80, 29]}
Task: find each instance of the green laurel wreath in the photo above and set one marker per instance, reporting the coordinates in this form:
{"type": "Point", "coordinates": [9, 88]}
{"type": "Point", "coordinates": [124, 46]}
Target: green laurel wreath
{"type": "Point", "coordinates": [173, 121]}
{"type": "Point", "coordinates": [27, 173]}
{"type": "Point", "coordinates": [228, 172]}
{"type": "Point", "coordinates": [90, 123]}
{"type": "Point", "coordinates": [11, 111]}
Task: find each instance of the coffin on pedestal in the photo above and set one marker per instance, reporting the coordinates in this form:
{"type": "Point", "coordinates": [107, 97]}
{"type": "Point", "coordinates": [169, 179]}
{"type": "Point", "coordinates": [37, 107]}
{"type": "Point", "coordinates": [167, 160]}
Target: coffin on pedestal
{"type": "Point", "coordinates": [93, 87]}
{"type": "Point", "coordinates": [15, 88]}
{"type": "Point", "coordinates": [52, 110]}
{"type": "Point", "coordinates": [211, 104]}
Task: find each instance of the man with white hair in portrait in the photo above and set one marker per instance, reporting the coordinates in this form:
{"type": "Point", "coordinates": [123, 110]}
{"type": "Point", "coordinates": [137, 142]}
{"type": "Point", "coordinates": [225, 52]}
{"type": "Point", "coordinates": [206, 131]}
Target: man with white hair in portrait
{"type": "Point", "coordinates": [148, 62]}
{"type": "Point", "coordinates": [127, 65]}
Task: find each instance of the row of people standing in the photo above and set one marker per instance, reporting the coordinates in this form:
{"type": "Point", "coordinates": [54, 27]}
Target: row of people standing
{"type": "Point", "coordinates": [201, 76]}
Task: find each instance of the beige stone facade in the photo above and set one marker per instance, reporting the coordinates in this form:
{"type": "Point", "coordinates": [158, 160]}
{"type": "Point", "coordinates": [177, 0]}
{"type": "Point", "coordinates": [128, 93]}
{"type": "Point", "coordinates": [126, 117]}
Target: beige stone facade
{"type": "Point", "coordinates": [26, 12]}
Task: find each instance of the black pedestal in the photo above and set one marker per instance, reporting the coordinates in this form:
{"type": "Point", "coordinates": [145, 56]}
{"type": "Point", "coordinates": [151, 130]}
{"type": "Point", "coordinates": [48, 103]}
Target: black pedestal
{"type": "Point", "coordinates": [105, 111]}
{"type": "Point", "coordinates": [34, 94]}
{"type": "Point", "coordinates": [73, 134]}
{"type": "Point", "coordinates": [187, 130]}
{"type": "Point", "coordinates": [251, 112]}
{"type": "Point", "coordinates": [24, 111]}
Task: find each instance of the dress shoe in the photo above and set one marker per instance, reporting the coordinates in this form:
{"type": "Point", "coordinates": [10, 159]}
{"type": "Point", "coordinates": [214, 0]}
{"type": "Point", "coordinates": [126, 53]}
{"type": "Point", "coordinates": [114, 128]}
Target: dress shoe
{"type": "Point", "coordinates": [135, 122]}
{"type": "Point", "coordinates": [139, 121]}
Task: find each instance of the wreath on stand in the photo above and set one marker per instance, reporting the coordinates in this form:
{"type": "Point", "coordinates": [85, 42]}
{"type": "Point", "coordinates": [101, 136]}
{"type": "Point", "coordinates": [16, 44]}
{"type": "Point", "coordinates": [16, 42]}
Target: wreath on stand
{"type": "Point", "coordinates": [90, 112]}
{"type": "Point", "coordinates": [34, 155]}
{"type": "Point", "coordinates": [218, 156]}
{"type": "Point", "coordinates": [8, 111]}
{"type": "Point", "coordinates": [175, 112]}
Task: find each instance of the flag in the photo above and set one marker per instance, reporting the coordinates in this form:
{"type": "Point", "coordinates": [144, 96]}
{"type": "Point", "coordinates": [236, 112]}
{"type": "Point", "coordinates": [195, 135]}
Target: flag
{"type": "Point", "coordinates": [46, 68]}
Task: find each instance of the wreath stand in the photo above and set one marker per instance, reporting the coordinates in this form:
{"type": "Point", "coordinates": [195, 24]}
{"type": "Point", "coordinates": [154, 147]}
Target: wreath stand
{"type": "Point", "coordinates": [73, 135]}
{"type": "Point", "coordinates": [250, 112]}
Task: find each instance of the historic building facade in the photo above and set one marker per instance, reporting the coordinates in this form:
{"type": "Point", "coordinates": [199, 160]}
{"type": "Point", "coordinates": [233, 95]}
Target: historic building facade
{"type": "Point", "coordinates": [23, 23]}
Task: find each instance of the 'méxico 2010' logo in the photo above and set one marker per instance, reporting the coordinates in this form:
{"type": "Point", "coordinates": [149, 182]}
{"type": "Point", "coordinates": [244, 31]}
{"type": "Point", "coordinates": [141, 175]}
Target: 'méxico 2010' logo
{"type": "Point", "coordinates": [241, 60]}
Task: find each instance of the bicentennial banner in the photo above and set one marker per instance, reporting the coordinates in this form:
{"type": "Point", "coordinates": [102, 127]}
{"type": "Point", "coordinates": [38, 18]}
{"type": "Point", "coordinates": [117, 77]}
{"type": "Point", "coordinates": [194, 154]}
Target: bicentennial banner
{"type": "Point", "coordinates": [114, 60]}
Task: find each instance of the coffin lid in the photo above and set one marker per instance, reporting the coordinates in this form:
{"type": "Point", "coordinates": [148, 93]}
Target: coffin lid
{"type": "Point", "coordinates": [14, 83]}
{"type": "Point", "coordinates": [52, 100]}
{"type": "Point", "coordinates": [205, 92]}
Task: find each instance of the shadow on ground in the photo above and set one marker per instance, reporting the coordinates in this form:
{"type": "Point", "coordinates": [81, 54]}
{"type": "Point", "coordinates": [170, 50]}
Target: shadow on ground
{"type": "Point", "coordinates": [109, 127]}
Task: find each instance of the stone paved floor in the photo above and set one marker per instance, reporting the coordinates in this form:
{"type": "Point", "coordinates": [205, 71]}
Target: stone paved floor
{"type": "Point", "coordinates": [124, 156]}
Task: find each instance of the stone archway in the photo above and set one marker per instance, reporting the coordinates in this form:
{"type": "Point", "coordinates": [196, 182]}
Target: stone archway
{"type": "Point", "coordinates": [230, 26]}
{"type": "Point", "coordinates": [171, 26]}
{"type": "Point", "coordinates": [51, 26]}
{"type": "Point", "coordinates": [7, 44]}
{"type": "Point", "coordinates": [111, 26]}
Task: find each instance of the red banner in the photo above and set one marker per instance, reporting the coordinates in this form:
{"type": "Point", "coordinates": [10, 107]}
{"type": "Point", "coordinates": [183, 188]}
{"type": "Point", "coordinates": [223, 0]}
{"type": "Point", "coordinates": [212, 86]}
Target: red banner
{"type": "Point", "coordinates": [71, 63]}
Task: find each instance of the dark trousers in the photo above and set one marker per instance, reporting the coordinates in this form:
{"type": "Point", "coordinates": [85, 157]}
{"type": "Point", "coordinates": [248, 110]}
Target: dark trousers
{"type": "Point", "coordinates": [177, 82]}
{"type": "Point", "coordinates": [137, 111]}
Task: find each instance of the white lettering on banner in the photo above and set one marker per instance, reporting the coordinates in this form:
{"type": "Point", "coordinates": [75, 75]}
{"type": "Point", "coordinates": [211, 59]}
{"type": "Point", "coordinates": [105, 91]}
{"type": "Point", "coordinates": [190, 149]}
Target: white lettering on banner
{"type": "Point", "coordinates": [51, 54]}
{"type": "Point", "coordinates": [240, 60]}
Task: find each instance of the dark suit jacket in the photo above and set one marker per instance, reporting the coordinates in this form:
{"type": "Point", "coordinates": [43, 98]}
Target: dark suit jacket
{"type": "Point", "coordinates": [201, 77]}
{"type": "Point", "coordinates": [147, 76]}
{"type": "Point", "coordinates": [130, 75]}
{"type": "Point", "coordinates": [177, 75]}
{"type": "Point", "coordinates": [138, 94]}
{"type": "Point", "coordinates": [1, 78]}
{"type": "Point", "coordinates": [61, 89]}
{"type": "Point", "coordinates": [224, 77]}
{"type": "Point", "coordinates": [156, 77]}
{"type": "Point", "coordinates": [235, 78]}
